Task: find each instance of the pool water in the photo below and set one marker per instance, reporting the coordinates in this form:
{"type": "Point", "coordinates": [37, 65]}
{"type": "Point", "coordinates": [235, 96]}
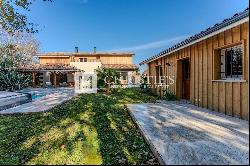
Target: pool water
{"type": "Point", "coordinates": [35, 96]}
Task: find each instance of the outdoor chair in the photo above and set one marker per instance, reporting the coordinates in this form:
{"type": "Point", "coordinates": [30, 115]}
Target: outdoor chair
{"type": "Point", "coordinates": [48, 84]}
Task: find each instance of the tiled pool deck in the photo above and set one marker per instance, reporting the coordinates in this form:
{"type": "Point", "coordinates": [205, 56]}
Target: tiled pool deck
{"type": "Point", "coordinates": [52, 98]}
{"type": "Point", "coordinates": [183, 134]}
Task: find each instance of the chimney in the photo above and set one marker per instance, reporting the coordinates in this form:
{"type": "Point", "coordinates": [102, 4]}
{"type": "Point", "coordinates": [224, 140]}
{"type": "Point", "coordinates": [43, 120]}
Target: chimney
{"type": "Point", "coordinates": [76, 49]}
{"type": "Point", "coordinates": [94, 49]}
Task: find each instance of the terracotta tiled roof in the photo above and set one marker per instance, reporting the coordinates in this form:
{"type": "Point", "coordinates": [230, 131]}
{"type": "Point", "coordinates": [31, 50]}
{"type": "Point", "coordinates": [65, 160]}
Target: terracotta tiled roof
{"type": "Point", "coordinates": [235, 18]}
{"type": "Point", "coordinates": [42, 67]}
{"type": "Point", "coordinates": [85, 54]}
{"type": "Point", "coordinates": [119, 66]}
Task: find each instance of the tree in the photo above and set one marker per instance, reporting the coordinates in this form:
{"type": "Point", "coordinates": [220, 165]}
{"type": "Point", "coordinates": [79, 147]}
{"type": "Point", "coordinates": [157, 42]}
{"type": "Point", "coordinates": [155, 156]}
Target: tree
{"type": "Point", "coordinates": [14, 21]}
{"type": "Point", "coordinates": [17, 45]}
{"type": "Point", "coordinates": [105, 77]}
{"type": "Point", "coordinates": [15, 50]}
{"type": "Point", "coordinates": [21, 47]}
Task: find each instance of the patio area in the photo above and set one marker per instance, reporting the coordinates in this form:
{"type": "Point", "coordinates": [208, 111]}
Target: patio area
{"type": "Point", "coordinates": [184, 134]}
{"type": "Point", "coordinates": [43, 99]}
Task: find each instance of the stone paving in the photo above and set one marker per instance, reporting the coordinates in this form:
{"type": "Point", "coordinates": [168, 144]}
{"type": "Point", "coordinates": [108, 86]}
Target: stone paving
{"type": "Point", "coordinates": [183, 134]}
{"type": "Point", "coordinates": [53, 97]}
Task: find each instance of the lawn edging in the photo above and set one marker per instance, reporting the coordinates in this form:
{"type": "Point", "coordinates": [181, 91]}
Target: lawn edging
{"type": "Point", "coordinates": [143, 133]}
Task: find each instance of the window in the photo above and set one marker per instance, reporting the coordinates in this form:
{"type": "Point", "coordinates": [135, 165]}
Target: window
{"type": "Point", "coordinates": [231, 63]}
{"type": "Point", "coordinates": [83, 59]}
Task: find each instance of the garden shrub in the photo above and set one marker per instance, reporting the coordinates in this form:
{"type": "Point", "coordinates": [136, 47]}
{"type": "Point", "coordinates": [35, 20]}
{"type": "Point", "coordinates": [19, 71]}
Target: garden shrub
{"type": "Point", "coordinates": [108, 75]}
{"type": "Point", "coordinates": [169, 96]}
{"type": "Point", "coordinates": [10, 79]}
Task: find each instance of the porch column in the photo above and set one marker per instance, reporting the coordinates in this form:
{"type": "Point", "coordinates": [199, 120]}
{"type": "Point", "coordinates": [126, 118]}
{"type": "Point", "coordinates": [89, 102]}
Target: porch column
{"type": "Point", "coordinates": [129, 75]}
{"type": "Point", "coordinates": [54, 79]}
{"type": "Point", "coordinates": [33, 79]}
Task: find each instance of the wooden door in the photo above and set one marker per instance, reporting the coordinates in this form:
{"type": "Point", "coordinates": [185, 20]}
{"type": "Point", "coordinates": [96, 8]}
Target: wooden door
{"type": "Point", "coordinates": [185, 79]}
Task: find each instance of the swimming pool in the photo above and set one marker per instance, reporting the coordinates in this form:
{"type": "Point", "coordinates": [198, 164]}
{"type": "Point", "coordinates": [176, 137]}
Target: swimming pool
{"type": "Point", "coordinates": [35, 96]}
{"type": "Point", "coordinates": [38, 93]}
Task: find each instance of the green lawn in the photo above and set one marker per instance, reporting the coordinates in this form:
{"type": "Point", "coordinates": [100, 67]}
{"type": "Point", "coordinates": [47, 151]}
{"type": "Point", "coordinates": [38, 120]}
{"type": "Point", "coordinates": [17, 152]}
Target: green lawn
{"type": "Point", "coordinates": [89, 129]}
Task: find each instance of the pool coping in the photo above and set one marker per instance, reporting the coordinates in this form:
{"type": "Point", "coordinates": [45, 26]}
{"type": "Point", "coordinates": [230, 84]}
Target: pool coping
{"type": "Point", "coordinates": [43, 104]}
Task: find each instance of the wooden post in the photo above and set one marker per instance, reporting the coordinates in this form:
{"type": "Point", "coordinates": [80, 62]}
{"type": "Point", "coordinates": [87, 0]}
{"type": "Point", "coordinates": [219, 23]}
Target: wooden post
{"type": "Point", "coordinates": [54, 79]}
{"type": "Point", "coordinates": [33, 79]}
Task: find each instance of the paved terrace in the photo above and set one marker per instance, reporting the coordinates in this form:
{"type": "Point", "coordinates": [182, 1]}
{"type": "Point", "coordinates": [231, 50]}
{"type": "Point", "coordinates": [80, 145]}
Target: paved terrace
{"type": "Point", "coordinates": [54, 97]}
{"type": "Point", "coordinates": [185, 134]}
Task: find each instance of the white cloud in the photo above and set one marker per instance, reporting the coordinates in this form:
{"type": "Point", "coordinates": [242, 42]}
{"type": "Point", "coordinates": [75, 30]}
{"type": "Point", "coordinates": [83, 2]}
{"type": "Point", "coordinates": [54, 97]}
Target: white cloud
{"type": "Point", "coordinates": [156, 44]}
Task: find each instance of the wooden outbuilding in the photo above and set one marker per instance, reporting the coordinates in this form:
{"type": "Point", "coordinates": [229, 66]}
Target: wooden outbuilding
{"type": "Point", "coordinates": [209, 69]}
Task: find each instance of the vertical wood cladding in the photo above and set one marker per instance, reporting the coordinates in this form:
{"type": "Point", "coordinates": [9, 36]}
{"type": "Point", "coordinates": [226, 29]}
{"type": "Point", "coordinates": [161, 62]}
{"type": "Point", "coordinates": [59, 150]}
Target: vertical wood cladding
{"type": "Point", "coordinates": [229, 97]}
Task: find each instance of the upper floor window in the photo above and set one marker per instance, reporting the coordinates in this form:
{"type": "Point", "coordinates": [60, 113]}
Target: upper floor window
{"type": "Point", "coordinates": [83, 59]}
{"type": "Point", "coordinates": [231, 63]}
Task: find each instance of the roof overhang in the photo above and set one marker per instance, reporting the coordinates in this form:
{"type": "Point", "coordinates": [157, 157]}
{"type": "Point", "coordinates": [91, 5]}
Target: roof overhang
{"type": "Point", "coordinates": [120, 66]}
{"type": "Point", "coordinates": [46, 70]}
{"type": "Point", "coordinates": [48, 67]}
{"type": "Point", "coordinates": [53, 56]}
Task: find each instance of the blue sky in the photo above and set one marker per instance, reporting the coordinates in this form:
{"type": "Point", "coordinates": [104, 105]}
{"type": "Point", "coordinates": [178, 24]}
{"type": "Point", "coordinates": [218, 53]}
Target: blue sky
{"type": "Point", "coordinates": [144, 27]}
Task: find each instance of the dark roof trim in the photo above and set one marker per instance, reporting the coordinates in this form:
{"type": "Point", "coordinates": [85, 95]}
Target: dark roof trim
{"type": "Point", "coordinates": [225, 23]}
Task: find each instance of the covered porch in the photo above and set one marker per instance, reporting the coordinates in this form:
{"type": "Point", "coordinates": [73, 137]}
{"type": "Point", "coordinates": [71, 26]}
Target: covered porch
{"type": "Point", "coordinates": [50, 75]}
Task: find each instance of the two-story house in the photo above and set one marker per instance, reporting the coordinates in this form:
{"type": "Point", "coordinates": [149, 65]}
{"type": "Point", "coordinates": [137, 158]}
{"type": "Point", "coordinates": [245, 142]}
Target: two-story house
{"type": "Point", "coordinates": [58, 68]}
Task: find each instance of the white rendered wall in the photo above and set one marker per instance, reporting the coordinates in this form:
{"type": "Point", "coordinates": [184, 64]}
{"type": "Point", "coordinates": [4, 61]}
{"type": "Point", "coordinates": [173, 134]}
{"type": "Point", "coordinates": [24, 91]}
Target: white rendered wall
{"type": "Point", "coordinates": [86, 66]}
